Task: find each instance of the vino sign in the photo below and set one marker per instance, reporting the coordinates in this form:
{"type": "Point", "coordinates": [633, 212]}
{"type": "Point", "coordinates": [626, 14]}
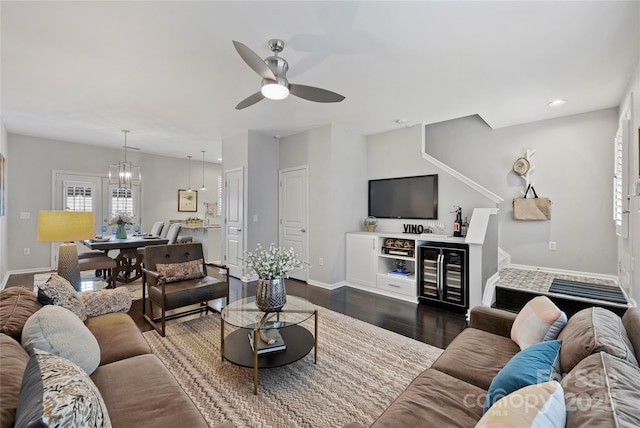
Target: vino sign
{"type": "Point", "coordinates": [413, 228]}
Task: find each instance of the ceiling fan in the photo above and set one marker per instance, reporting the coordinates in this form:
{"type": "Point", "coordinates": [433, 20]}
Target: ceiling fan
{"type": "Point", "coordinates": [275, 85]}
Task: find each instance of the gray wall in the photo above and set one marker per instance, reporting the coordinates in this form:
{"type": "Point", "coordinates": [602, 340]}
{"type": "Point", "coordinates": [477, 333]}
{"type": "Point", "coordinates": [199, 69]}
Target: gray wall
{"type": "Point", "coordinates": [4, 257]}
{"type": "Point", "coordinates": [33, 160]}
{"type": "Point", "coordinates": [337, 193]}
{"type": "Point", "coordinates": [399, 154]}
{"type": "Point", "coordinates": [262, 191]}
{"type": "Point", "coordinates": [573, 167]}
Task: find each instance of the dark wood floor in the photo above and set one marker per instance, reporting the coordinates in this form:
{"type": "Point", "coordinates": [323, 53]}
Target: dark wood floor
{"type": "Point", "coordinates": [430, 325]}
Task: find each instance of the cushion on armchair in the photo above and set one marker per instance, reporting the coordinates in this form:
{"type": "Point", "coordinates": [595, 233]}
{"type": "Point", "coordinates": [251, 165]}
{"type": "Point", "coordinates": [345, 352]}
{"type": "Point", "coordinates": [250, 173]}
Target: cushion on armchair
{"type": "Point", "coordinates": [174, 272]}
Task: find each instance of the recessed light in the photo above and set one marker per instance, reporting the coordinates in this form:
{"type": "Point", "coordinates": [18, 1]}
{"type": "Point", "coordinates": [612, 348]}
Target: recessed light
{"type": "Point", "coordinates": [556, 103]}
{"type": "Point", "coordinates": [219, 159]}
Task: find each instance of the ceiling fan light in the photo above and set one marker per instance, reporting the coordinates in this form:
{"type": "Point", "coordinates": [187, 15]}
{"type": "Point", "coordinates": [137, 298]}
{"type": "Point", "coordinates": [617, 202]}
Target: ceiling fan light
{"type": "Point", "coordinates": [274, 91]}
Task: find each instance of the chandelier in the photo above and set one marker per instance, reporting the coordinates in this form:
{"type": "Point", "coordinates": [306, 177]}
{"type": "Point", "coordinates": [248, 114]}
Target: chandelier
{"type": "Point", "coordinates": [125, 174]}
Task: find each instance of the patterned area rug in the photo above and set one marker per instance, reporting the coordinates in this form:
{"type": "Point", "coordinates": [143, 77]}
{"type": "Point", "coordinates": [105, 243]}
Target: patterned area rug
{"type": "Point", "coordinates": [361, 369]}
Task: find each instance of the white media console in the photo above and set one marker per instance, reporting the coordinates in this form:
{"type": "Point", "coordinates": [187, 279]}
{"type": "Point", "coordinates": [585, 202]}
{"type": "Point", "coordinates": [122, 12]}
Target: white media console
{"type": "Point", "coordinates": [369, 261]}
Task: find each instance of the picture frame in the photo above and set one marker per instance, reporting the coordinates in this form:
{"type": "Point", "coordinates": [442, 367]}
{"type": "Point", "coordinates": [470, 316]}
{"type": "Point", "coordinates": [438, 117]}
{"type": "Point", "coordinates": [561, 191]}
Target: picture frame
{"type": "Point", "coordinates": [187, 200]}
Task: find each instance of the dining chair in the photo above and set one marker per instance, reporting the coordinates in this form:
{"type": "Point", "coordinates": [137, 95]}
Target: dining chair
{"type": "Point", "coordinates": [174, 277]}
{"type": "Point", "coordinates": [172, 235]}
{"type": "Point", "coordinates": [156, 229]}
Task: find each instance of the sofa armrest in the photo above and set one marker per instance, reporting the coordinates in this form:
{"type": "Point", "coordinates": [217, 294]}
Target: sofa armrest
{"type": "Point", "coordinates": [492, 320]}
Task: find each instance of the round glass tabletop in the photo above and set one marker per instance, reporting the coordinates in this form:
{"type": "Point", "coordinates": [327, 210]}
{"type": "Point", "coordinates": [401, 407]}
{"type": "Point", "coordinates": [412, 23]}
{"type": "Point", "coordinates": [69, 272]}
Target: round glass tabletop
{"type": "Point", "coordinates": [244, 313]}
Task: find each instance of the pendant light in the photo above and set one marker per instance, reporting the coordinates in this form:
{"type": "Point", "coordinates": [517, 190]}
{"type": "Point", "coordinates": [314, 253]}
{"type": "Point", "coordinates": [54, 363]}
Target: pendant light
{"type": "Point", "coordinates": [125, 174]}
{"type": "Point", "coordinates": [189, 189]}
{"type": "Point", "coordinates": [203, 187]}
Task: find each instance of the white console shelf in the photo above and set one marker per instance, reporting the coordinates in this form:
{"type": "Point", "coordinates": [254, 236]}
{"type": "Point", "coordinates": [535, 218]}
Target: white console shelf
{"type": "Point", "coordinates": [368, 267]}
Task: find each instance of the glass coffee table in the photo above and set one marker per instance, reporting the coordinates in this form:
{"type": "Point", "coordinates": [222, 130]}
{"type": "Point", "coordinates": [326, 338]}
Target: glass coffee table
{"type": "Point", "coordinates": [245, 346]}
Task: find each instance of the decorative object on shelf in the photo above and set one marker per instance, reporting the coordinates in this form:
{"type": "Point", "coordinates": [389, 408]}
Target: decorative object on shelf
{"type": "Point", "coordinates": [370, 223]}
{"type": "Point", "coordinates": [121, 220]}
{"type": "Point", "coordinates": [66, 226]}
{"type": "Point", "coordinates": [125, 174]}
{"type": "Point", "coordinates": [272, 265]}
{"type": "Point", "coordinates": [194, 221]}
{"type": "Point", "coordinates": [400, 265]}
{"type": "Point", "coordinates": [399, 247]}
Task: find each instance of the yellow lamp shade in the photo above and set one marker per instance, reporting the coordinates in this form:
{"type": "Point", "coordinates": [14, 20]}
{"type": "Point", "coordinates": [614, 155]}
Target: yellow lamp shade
{"type": "Point", "coordinates": [64, 226]}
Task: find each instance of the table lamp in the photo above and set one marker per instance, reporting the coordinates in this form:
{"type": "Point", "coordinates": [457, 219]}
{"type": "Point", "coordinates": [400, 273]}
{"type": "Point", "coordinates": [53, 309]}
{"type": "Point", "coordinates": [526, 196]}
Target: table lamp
{"type": "Point", "coordinates": [66, 226]}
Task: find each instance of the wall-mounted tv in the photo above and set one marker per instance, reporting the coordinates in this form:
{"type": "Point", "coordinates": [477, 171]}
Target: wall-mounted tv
{"type": "Point", "coordinates": [405, 197]}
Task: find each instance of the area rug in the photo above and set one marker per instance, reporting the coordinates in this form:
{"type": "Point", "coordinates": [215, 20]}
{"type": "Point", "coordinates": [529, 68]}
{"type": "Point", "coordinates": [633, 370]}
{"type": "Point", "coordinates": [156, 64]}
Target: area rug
{"type": "Point", "coordinates": [361, 369]}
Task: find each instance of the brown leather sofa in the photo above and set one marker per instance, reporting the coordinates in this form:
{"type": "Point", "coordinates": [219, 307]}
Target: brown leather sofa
{"type": "Point", "coordinates": [451, 392]}
{"type": "Point", "coordinates": [137, 389]}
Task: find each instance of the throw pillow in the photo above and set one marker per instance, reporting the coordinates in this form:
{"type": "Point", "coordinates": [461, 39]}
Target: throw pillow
{"type": "Point", "coordinates": [534, 406]}
{"type": "Point", "coordinates": [63, 294]}
{"type": "Point", "coordinates": [602, 390]}
{"type": "Point", "coordinates": [57, 393]}
{"type": "Point", "coordinates": [55, 329]}
{"type": "Point", "coordinates": [174, 272]}
{"type": "Point", "coordinates": [106, 301]}
{"type": "Point", "coordinates": [539, 320]}
{"type": "Point", "coordinates": [593, 330]}
{"type": "Point", "coordinates": [537, 364]}
{"type": "Point", "coordinates": [17, 304]}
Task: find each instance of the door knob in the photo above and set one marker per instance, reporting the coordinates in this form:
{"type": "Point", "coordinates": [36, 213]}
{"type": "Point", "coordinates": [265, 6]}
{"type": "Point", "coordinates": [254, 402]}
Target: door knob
{"type": "Point", "coordinates": [302, 230]}
{"type": "Point", "coordinates": [239, 230]}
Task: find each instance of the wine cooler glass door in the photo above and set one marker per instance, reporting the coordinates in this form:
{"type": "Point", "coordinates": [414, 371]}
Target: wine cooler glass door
{"type": "Point", "coordinates": [430, 286]}
{"type": "Point", "coordinates": [453, 267]}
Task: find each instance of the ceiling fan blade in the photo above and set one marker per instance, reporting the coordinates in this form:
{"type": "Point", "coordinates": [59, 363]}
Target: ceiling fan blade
{"type": "Point", "coordinates": [250, 100]}
{"type": "Point", "coordinates": [314, 94]}
{"type": "Point", "coordinates": [254, 61]}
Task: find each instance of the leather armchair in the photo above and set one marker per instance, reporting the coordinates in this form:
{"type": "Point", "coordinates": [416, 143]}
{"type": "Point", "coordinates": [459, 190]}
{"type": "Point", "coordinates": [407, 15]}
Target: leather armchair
{"type": "Point", "coordinates": [168, 296]}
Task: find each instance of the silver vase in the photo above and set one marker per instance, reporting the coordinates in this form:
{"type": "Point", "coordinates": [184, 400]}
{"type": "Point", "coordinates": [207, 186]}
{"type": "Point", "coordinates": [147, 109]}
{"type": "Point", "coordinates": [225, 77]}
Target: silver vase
{"type": "Point", "coordinates": [271, 295]}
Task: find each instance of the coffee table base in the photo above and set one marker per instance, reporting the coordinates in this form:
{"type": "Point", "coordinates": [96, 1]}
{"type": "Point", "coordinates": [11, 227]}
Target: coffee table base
{"type": "Point", "coordinates": [235, 348]}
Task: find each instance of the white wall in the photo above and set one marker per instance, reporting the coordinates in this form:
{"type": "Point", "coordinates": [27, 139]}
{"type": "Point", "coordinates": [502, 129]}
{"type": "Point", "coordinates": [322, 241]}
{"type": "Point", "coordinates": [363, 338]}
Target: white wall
{"type": "Point", "coordinates": [32, 162]}
{"type": "Point", "coordinates": [573, 167]}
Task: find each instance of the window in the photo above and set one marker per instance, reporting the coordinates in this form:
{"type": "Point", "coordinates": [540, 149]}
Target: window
{"type": "Point", "coordinates": [78, 196]}
{"type": "Point", "coordinates": [122, 202]}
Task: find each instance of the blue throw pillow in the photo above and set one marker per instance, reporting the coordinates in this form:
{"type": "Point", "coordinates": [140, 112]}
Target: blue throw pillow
{"type": "Point", "coordinates": [536, 364]}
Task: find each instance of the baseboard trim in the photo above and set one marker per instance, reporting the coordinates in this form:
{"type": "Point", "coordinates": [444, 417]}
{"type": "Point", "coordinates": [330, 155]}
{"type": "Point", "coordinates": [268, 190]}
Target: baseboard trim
{"type": "Point", "coordinates": [325, 285]}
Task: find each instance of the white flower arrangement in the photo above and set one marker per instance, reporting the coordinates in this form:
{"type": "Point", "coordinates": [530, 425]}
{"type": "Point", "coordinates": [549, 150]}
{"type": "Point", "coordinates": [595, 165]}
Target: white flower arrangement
{"type": "Point", "coordinates": [274, 262]}
{"type": "Point", "coordinates": [120, 219]}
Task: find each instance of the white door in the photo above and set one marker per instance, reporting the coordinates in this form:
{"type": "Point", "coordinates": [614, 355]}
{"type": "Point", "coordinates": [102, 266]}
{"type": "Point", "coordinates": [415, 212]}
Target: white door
{"type": "Point", "coordinates": [294, 210]}
{"type": "Point", "coordinates": [77, 192]}
{"type": "Point", "coordinates": [234, 218]}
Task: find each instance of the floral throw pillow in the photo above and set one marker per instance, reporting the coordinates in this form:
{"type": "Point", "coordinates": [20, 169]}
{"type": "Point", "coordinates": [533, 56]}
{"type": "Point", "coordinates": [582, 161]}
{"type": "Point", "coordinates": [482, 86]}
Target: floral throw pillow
{"type": "Point", "coordinates": [57, 393]}
{"type": "Point", "coordinates": [62, 293]}
{"type": "Point", "coordinates": [174, 272]}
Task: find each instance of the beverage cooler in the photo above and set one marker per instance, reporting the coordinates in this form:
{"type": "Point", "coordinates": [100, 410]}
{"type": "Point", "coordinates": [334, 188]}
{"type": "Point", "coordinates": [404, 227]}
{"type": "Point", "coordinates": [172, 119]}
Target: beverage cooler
{"type": "Point", "coordinates": [442, 270]}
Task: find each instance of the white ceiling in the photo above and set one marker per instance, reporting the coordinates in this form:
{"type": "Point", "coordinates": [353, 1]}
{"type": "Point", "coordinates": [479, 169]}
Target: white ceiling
{"type": "Point", "coordinates": [167, 70]}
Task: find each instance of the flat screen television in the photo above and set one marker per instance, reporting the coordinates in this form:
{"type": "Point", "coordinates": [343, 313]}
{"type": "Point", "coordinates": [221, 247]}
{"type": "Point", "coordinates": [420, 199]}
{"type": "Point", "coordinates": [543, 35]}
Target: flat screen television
{"type": "Point", "coordinates": [405, 197]}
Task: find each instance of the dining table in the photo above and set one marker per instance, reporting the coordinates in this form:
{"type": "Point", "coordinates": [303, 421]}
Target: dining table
{"type": "Point", "coordinates": [129, 259]}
